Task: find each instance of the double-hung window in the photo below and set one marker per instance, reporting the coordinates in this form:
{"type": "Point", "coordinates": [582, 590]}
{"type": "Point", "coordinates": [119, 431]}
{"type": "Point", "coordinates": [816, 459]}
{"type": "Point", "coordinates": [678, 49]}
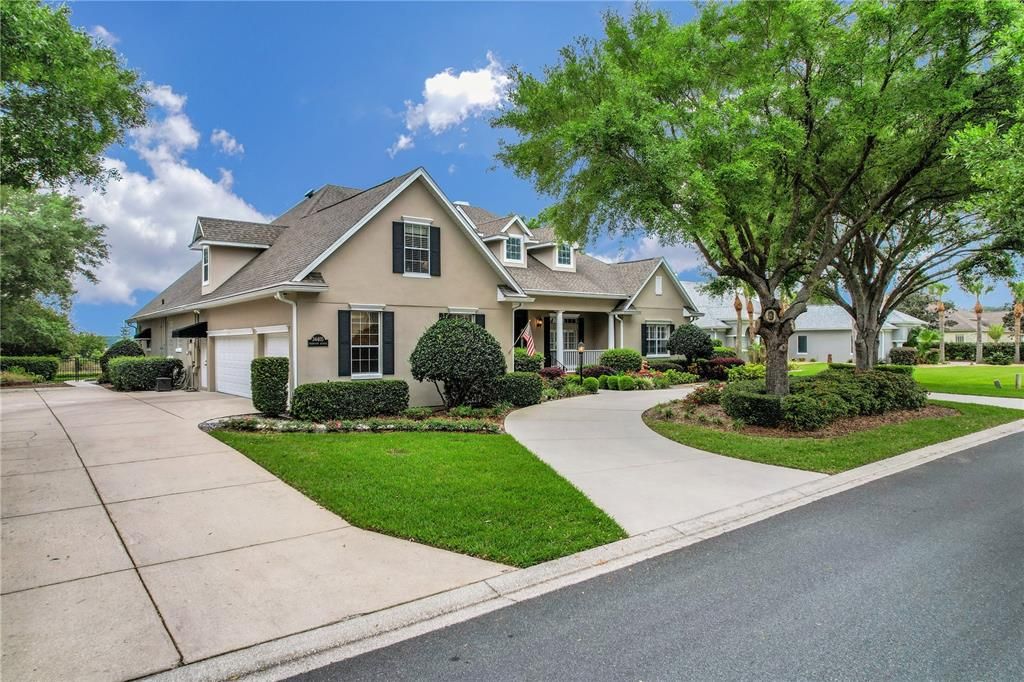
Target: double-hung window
{"type": "Point", "coordinates": [801, 344]}
{"type": "Point", "coordinates": [657, 338]}
{"type": "Point", "coordinates": [417, 249]}
{"type": "Point", "coordinates": [206, 265]}
{"type": "Point", "coordinates": [565, 254]}
{"type": "Point", "coordinates": [514, 249]}
{"type": "Point", "coordinates": [365, 343]}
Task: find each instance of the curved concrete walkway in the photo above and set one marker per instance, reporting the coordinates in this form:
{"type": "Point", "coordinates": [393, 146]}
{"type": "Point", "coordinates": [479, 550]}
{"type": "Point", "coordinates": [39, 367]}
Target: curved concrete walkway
{"type": "Point", "coordinates": [1014, 403]}
{"type": "Point", "coordinates": [643, 480]}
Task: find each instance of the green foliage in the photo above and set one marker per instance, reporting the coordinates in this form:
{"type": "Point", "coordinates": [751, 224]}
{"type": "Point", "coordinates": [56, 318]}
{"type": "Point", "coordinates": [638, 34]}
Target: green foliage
{"type": "Point", "coordinates": [331, 400]}
{"type": "Point", "coordinates": [140, 374]}
{"type": "Point", "coordinates": [675, 378]}
{"type": "Point", "coordinates": [724, 352]}
{"type": "Point", "coordinates": [596, 371]}
{"type": "Point", "coordinates": [591, 384]}
{"type": "Point", "coordinates": [18, 376]}
{"type": "Point", "coordinates": [626, 383]}
{"type": "Point", "coordinates": [622, 359]}
{"type": "Point", "coordinates": [995, 332]}
{"type": "Point", "coordinates": [32, 328]}
{"type": "Point", "coordinates": [926, 338]}
{"type": "Point", "coordinates": [897, 368]}
{"type": "Point", "coordinates": [460, 356]}
{"type": "Point", "coordinates": [524, 362]}
{"type": "Point", "coordinates": [519, 388]}
{"type": "Point", "coordinates": [903, 356]}
{"type": "Point", "coordinates": [120, 349]}
{"type": "Point", "coordinates": [666, 365]}
{"type": "Point", "coordinates": [417, 412]}
{"type": "Point", "coordinates": [87, 345]}
{"type": "Point", "coordinates": [803, 413]}
{"type": "Point", "coordinates": [417, 424]}
{"type": "Point", "coordinates": [705, 395]}
{"type": "Point", "coordinates": [691, 342]}
{"type": "Point", "coordinates": [66, 98]}
{"type": "Point", "coordinates": [40, 365]}
{"type": "Point", "coordinates": [602, 380]}
{"type": "Point", "coordinates": [747, 372]}
{"type": "Point", "coordinates": [717, 369]}
{"type": "Point", "coordinates": [965, 351]}
{"type": "Point", "coordinates": [748, 402]}
{"type": "Point", "coordinates": [612, 382]}
{"type": "Point", "coordinates": [269, 381]}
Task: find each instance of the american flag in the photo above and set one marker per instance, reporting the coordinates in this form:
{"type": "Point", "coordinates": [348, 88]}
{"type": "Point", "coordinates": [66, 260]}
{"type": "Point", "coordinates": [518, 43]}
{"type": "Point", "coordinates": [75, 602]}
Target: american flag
{"type": "Point", "coordinates": [527, 336]}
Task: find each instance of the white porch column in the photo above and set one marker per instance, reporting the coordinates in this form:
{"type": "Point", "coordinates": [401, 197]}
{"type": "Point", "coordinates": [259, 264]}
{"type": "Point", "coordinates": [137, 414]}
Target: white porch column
{"type": "Point", "coordinates": [611, 330]}
{"type": "Point", "coordinates": [560, 341]}
{"type": "Point", "coordinates": [622, 333]}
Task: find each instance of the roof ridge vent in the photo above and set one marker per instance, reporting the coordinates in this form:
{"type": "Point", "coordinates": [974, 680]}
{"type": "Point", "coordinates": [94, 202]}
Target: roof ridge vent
{"type": "Point", "coordinates": [310, 193]}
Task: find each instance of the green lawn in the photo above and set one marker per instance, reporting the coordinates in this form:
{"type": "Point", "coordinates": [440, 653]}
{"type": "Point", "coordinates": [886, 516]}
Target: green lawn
{"type": "Point", "coordinates": [484, 495]}
{"type": "Point", "coordinates": [804, 369]}
{"type": "Point", "coordinates": [832, 455]}
{"type": "Point", "coordinates": [970, 379]}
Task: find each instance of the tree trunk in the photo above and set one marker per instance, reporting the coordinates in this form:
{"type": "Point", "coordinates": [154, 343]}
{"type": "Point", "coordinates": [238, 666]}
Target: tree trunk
{"type": "Point", "coordinates": [942, 337]}
{"type": "Point", "coordinates": [865, 345]}
{"type": "Point", "coordinates": [1016, 340]}
{"type": "Point", "coordinates": [978, 353]}
{"type": "Point", "coordinates": [775, 337]}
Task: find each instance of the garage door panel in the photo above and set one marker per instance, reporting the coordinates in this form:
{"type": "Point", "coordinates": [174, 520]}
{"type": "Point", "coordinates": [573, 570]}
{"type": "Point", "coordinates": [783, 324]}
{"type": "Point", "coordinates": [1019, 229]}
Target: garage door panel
{"type": "Point", "coordinates": [276, 345]}
{"type": "Point", "coordinates": [233, 365]}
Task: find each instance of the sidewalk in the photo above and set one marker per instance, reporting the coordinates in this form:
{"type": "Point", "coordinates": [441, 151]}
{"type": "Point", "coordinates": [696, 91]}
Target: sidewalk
{"type": "Point", "coordinates": [133, 542]}
{"type": "Point", "coordinates": [1014, 403]}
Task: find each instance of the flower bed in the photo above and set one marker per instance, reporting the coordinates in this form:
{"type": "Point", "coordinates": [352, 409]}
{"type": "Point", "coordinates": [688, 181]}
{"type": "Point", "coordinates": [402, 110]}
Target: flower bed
{"type": "Point", "coordinates": [253, 423]}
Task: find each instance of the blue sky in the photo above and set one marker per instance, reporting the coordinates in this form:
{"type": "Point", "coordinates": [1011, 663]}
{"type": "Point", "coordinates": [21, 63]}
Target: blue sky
{"type": "Point", "coordinates": [256, 103]}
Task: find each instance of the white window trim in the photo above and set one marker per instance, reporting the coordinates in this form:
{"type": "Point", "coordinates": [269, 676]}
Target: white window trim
{"type": "Point", "coordinates": [663, 323]}
{"type": "Point", "coordinates": [572, 256]}
{"type": "Point", "coordinates": [405, 248]}
{"type": "Point", "coordinates": [522, 250]}
{"type": "Point", "coordinates": [369, 308]}
{"type": "Point", "coordinates": [274, 329]}
{"type": "Point", "coordinates": [415, 220]}
{"type": "Point", "coordinates": [462, 311]}
{"type": "Point", "coordinates": [658, 288]}
{"type": "Point", "coordinates": [206, 265]}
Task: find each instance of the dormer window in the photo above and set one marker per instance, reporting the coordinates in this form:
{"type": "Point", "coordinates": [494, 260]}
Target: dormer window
{"type": "Point", "coordinates": [514, 249]}
{"type": "Point", "coordinates": [206, 265]}
{"type": "Point", "coordinates": [565, 255]}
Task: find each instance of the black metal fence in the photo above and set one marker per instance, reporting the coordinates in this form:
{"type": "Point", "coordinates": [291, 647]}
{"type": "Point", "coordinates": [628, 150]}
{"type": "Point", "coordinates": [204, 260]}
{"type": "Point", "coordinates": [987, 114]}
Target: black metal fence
{"type": "Point", "coordinates": [78, 368]}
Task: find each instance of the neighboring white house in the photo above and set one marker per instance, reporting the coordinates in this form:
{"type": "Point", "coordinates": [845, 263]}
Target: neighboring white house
{"type": "Point", "coordinates": [822, 331]}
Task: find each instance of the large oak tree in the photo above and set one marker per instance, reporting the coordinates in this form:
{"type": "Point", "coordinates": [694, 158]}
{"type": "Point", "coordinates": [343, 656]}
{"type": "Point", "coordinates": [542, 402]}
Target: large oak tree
{"type": "Point", "coordinates": [745, 132]}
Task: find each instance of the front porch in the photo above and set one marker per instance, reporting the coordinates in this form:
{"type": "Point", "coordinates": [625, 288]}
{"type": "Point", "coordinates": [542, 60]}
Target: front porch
{"type": "Point", "coordinates": [569, 339]}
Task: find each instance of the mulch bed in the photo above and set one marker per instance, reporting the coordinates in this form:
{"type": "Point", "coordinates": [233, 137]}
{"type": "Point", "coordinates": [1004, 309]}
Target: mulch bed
{"type": "Point", "coordinates": [840, 427]}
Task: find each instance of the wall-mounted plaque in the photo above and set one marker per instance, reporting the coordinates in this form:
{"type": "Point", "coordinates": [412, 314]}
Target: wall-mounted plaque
{"type": "Point", "coordinates": [317, 341]}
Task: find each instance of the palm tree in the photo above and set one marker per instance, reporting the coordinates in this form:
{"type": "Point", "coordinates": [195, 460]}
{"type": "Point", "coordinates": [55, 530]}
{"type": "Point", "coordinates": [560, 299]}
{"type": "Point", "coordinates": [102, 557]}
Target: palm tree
{"type": "Point", "coordinates": [938, 290]}
{"type": "Point", "coordinates": [925, 338]}
{"type": "Point", "coordinates": [737, 304]}
{"type": "Point", "coordinates": [1017, 289]}
{"type": "Point", "coordinates": [979, 289]}
{"type": "Point", "coordinates": [995, 332]}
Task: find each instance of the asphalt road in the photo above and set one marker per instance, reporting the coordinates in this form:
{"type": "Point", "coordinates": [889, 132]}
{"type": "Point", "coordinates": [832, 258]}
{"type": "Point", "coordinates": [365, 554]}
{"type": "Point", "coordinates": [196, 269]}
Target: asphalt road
{"type": "Point", "coordinates": [915, 576]}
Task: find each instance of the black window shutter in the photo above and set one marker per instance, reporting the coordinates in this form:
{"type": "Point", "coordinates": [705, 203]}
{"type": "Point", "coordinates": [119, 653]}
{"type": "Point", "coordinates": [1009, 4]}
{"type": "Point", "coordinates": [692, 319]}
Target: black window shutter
{"type": "Point", "coordinates": [643, 339]}
{"type": "Point", "coordinates": [388, 342]}
{"type": "Point", "coordinates": [344, 343]}
{"type": "Point", "coordinates": [398, 247]}
{"type": "Point", "coordinates": [435, 251]}
{"type": "Point", "coordinates": [547, 342]}
{"type": "Point", "coordinates": [579, 329]}
{"type": "Point", "coordinates": [481, 320]}
{"type": "Point", "coordinates": [671, 328]}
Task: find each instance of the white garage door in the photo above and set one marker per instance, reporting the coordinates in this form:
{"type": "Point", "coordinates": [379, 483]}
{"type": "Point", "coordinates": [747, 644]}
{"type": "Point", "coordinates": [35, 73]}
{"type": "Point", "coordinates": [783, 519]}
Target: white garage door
{"type": "Point", "coordinates": [276, 345]}
{"type": "Point", "coordinates": [232, 367]}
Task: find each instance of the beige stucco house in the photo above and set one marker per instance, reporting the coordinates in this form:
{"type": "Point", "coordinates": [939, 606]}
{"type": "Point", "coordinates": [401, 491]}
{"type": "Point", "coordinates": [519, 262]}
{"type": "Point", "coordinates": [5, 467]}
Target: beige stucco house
{"type": "Point", "coordinates": [345, 282]}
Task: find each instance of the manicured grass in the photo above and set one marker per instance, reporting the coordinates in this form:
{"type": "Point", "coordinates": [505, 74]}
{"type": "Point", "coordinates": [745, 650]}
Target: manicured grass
{"type": "Point", "coordinates": [805, 369]}
{"type": "Point", "coordinates": [484, 495]}
{"type": "Point", "coordinates": [970, 379]}
{"type": "Point", "coordinates": [832, 455]}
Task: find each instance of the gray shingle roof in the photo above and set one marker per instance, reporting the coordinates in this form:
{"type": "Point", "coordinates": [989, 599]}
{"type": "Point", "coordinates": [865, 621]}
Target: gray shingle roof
{"type": "Point", "coordinates": [184, 290]}
{"type": "Point", "coordinates": [592, 276]}
{"type": "Point", "coordinates": [479, 215]}
{"type": "Point", "coordinates": [238, 231]}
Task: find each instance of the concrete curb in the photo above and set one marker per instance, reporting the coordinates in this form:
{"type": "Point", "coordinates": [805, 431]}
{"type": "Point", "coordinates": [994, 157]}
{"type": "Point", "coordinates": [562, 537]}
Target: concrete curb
{"type": "Point", "coordinates": [336, 642]}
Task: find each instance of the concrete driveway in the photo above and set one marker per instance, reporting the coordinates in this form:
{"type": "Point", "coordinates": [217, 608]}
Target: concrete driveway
{"type": "Point", "coordinates": [133, 542]}
{"type": "Point", "coordinates": [643, 480]}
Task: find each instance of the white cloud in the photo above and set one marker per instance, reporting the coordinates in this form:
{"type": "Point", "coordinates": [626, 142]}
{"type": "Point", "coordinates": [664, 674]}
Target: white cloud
{"type": "Point", "coordinates": [449, 99]}
{"type": "Point", "coordinates": [462, 145]}
{"type": "Point", "coordinates": [150, 214]}
{"type": "Point", "coordinates": [104, 35]}
{"type": "Point", "coordinates": [226, 142]}
{"type": "Point", "coordinates": [401, 144]}
{"type": "Point", "coordinates": [680, 257]}
{"type": "Point", "coordinates": [451, 169]}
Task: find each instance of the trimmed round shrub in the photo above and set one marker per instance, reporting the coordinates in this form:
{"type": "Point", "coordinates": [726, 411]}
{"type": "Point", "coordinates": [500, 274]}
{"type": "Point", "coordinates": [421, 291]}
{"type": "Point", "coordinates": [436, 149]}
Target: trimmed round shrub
{"type": "Point", "coordinates": [803, 413]}
{"type": "Point", "coordinates": [903, 356]}
{"type": "Point", "coordinates": [519, 388]}
{"type": "Point", "coordinates": [331, 400]}
{"type": "Point", "coordinates": [692, 342]}
{"type": "Point", "coordinates": [41, 365]}
{"type": "Point", "coordinates": [626, 383]}
{"type": "Point", "coordinates": [748, 372]}
{"type": "Point", "coordinates": [125, 348]}
{"type": "Point", "coordinates": [748, 402]}
{"type": "Point", "coordinates": [602, 381]}
{"type": "Point", "coordinates": [270, 385]}
{"type": "Point", "coordinates": [140, 374]}
{"type": "Point", "coordinates": [596, 371]}
{"type": "Point", "coordinates": [612, 382]}
{"type": "Point", "coordinates": [591, 384]}
{"type": "Point", "coordinates": [724, 352]}
{"type": "Point", "coordinates": [717, 369]}
{"type": "Point", "coordinates": [460, 358]}
{"type": "Point", "coordinates": [622, 359]}
{"type": "Point", "coordinates": [524, 362]}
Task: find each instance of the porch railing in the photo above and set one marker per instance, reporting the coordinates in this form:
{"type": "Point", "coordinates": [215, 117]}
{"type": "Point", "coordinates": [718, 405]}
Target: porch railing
{"type": "Point", "coordinates": [573, 359]}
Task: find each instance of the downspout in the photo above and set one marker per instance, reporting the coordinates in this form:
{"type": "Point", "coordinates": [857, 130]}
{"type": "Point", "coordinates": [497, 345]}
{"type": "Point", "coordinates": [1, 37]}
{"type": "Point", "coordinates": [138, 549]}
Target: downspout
{"type": "Point", "coordinates": [295, 337]}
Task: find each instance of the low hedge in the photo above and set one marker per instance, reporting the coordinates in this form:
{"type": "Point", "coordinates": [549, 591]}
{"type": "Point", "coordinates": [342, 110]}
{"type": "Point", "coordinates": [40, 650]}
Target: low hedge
{"type": "Point", "coordinates": [717, 369]}
{"type": "Point", "coordinates": [903, 356]}
{"type": "Point", "coordinates": [897, 368]}
{"type": "Point", "coordinates": [723, 352]}
{"type": "Point", "coordinates": [332, 400]}
{"type": "Point", "coordinates": [748, 402]}
{"type": "Point", "coordinates": [519, 388]}
{"type": "Point", "coordinates": [44, 365]}
{"type": "Point", "coordinates": [140, 374]}
{"type": "Point", "coordinates": [666, 365]}
{"type": "Point", "coordinates": [270, 385]}
{"type": "Point", "coordinates": [125, 348]}
{"type": "Point", "coordinates": [373, 424]}
{"type": "Point", "coordinates": [524, 362]}
{"type": "Point", "coordinates": [965, 351]}
{"type": "Point", "coordinates": [622, 359]}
